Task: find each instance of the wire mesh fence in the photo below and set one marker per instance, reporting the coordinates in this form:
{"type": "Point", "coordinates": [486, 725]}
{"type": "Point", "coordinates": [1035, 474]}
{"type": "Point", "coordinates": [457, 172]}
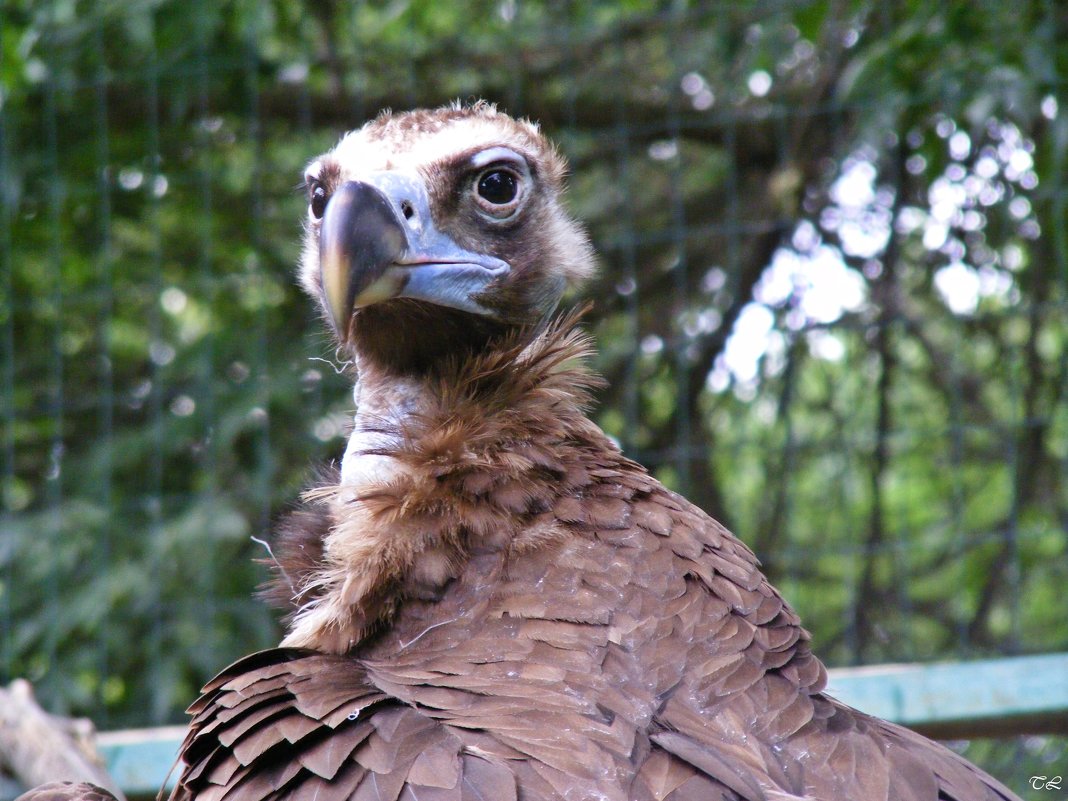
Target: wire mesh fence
{"type": "Point", "coordinates": [831, 305]}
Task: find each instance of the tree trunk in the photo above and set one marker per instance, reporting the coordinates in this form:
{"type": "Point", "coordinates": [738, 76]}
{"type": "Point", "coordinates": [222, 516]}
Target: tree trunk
{"type": "Point", "coordinates": [36, 747]}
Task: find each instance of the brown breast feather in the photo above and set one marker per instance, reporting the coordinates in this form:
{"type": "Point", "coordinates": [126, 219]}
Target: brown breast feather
{"type": "Point", "coordinates": [617, 644]}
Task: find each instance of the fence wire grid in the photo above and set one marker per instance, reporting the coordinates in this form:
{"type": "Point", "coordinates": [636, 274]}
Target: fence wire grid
{"type": "Point", "coordinates": [831, 305]}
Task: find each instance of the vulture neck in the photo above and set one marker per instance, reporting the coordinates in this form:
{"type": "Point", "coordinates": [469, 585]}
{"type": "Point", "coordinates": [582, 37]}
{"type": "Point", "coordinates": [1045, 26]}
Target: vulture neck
{"type": "Point", "coordinates": [385, 408]}
{"type": "Point", "coordinates": [431, 473]}
{"type": "Point", "coordinates": [406, 352]}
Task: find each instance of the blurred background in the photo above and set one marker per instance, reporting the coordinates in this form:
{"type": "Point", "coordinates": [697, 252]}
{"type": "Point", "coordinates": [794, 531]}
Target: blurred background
{"type": "Point", "coordinates": [831, 306]}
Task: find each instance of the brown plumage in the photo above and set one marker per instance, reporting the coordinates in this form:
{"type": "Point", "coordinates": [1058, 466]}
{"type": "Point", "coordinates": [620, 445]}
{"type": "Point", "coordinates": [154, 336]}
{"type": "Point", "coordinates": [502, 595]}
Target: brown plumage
{"type": "Point", "coordinates": [489, 601]}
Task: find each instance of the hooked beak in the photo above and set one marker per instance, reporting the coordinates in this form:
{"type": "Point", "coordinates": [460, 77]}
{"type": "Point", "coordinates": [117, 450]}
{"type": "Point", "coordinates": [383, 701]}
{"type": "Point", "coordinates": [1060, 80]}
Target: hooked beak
{"type": "Point", "coordinates": [378, 242]}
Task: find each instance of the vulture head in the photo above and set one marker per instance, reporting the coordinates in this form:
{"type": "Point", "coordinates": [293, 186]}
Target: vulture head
{"type": "Point", "coordinates": [430, 233]}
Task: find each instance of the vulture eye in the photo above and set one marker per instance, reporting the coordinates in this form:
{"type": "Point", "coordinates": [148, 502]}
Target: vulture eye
{"type": "Point", "coordinates": [497, 191]}
{"type": "Point", "coordinates": [318, 200]}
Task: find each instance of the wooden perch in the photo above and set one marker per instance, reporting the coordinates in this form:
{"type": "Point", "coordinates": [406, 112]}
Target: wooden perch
{"type": "Point", "coordinates": [36, 747]}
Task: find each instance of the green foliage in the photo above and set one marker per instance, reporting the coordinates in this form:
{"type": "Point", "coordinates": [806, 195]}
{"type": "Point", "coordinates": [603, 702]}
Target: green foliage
{"type": "Point", "coordinates": [899, 463]}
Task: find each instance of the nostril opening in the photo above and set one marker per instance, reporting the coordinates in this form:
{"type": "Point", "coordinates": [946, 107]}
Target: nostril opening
{"type": "Point", "coordinates": [407, 210]}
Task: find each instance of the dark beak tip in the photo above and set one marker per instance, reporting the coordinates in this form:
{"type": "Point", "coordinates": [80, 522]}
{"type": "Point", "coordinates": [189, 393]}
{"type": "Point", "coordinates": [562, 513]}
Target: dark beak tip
{"type": "Point", "coordinates": [359, 238]}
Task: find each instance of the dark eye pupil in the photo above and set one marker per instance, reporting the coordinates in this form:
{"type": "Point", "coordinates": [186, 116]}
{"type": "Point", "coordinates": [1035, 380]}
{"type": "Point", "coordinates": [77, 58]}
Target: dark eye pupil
{"type": "Point", "coordinates": [499, 187]}
{"type": "Point", "coordinates": [318, 202]}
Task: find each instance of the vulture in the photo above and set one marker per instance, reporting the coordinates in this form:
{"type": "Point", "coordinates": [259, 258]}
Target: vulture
{"type": "Point", "coordinates": [487, 599]}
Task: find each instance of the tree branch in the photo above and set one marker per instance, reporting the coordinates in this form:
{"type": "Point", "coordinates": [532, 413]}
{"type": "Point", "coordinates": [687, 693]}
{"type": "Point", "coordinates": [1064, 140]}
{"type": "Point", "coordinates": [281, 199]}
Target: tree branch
{"type": "Point", "coordinates": [36, 747]}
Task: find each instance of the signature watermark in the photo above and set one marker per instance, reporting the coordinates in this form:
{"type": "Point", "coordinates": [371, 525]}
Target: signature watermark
{"type": "Point", "coordinates": [1045, 782]}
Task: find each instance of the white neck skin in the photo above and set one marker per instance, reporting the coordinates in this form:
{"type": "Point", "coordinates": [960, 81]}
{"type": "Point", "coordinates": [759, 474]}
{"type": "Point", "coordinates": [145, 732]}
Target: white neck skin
{"type": "Point", "coordinates": [382, 407]}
